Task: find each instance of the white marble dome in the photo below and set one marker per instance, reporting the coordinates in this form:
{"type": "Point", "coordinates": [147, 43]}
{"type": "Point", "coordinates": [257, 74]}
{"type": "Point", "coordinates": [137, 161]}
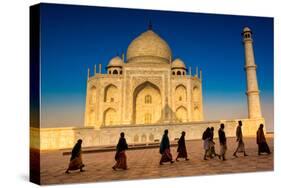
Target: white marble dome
{"type": "Point", "coordinates": [149, 47]}
{"type": "Point", "coordinates": [115, 62]}
{"type": "Point", "coordinates": [246, 29]}
{"type": "Point", "coordinates": [178, 63]}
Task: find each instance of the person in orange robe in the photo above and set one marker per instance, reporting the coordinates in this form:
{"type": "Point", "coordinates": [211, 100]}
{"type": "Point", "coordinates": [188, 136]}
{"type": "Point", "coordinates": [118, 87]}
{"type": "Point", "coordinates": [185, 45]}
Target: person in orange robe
{"type": "Point", "coordinates": [120, 155]}
{"type": "Point", "coordinates": [76, 158]}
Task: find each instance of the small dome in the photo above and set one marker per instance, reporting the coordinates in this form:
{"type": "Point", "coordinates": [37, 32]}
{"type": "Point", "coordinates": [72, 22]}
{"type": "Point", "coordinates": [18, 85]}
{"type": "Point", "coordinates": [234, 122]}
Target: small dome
{"type": "Point", "coordinates": [178, 63]}
{"type": "Point", "coordinates": [246, 29]}
{"type": "Point", "coordinates": [149, 45]}
{"type": "Point", "coordinates": [115, 62]}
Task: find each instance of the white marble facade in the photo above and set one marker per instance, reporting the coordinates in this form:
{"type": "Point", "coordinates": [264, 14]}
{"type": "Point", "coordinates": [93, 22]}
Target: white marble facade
{"type": "Point", "coordinates": [149, 87]}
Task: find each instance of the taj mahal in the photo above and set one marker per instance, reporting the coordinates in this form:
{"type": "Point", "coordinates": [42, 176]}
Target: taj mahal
{"type": "Point", "coordinates": [149, 87]}
{"type": "Point", "coordinates": [146, 92]}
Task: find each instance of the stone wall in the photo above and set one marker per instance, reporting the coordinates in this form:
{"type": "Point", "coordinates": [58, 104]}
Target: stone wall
{"type": "Point", "coordinates": [61, 138]}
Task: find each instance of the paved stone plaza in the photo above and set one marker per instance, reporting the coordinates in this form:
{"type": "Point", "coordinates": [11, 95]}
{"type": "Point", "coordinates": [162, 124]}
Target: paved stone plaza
{"type": "Point", "coordinates": [144, 164]}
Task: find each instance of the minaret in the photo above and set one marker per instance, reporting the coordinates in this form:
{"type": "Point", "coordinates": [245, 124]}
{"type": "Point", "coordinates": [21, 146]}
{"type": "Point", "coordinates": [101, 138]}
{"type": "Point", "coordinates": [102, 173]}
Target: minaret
{"type": "Point", "coordinates": [254, 108]}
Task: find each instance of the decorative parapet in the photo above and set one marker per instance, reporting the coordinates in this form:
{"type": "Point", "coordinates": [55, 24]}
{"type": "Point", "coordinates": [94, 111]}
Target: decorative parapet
{"type": "Point", "coordinates": [63, 138]}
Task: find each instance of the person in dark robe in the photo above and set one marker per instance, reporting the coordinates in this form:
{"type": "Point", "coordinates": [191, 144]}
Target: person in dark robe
{"type": "Point", "coordinates": [165, 149]}
{"type": "Point", "coordinates": [239, 138]}
{"type": "Point", "coordinates": [76, 158]}
{"type": "Point", "coordinates": [261, 141]}
{"type": "Point", "coordinates": [182, 153]}
{"type": "Point", "coordinates": [206, 142]}
{"type": "Point", "coordinates": [120, 155]}
{"type": "Point", "coordinates": [222, 139]}
{"type": "Point", "coordinates": [212, 151]}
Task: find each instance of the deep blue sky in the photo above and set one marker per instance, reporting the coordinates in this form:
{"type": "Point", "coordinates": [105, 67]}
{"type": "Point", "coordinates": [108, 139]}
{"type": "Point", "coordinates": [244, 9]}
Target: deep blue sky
{"type": "Point", "coordinates": [77, 37]}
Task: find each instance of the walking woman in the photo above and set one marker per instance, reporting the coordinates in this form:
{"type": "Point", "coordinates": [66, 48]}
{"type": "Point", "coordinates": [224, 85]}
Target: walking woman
{"type": "Point", "coordinates": [165, 149]}
{"type": "Point", "coordinates": [120, 156]}
{"type": "Point", "coordinates": [261, 141]}
{"type": "Point", "coordinates": [182, 153]}
{"type": "Point", "coordinates": [76, 158]}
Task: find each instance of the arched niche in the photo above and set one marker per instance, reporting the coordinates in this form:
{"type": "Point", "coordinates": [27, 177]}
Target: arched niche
{"type": "Point", "coordinates": [136, 138]}
{"type": "Point", "coordinates": [92, 95]}
{"type": "Point", "coordinates": [92, 116]}
{"type": "Point", "coordinates": [110, 117]}
{"type": "Point", "coordinates": [151, 137]}
{"type": "Point", "coordinates": [115, 71]}
{"type": "Point", "coordinates": [195, 94]}
{"type": "Point", "coordinates": [143, 138]}
{"type": "Point", "coordinates": [181, 114]}
{"type": "Point", "coordinates": [110, 93]}
{"type": "Point", "coordinates": [181, 93]}
{"type": "Point", "coordinates": [143, 105]}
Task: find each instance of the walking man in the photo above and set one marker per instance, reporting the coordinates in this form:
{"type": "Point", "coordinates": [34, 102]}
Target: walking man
{"type": "Point", "coordinates": [206, 141]}
{"type": "Point", "coordinates": [212, 152]}
{"type": "Point", "coordinates": [239, 139]}
{"type": "Point", "coordinates": [222, 140]}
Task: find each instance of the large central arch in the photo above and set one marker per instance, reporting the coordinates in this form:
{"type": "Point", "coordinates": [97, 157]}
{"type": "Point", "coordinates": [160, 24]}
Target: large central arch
{"type": "Point", "coordinates": [147, 104]}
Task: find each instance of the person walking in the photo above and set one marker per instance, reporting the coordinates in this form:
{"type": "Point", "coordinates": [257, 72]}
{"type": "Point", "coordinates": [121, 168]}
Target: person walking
{"type": "Point", "coordinates": [182, 153]}
{"type": "Point", "coordinates": [222, 139]}
{"type": "Point", "coordinates": [212, 152]}
{"type": "Point", "coordinates": [261, 141]}
{"type": "Point", "coordinates": [165, 149]}
{"type": "Point", "coordinates": [76, 158]}
{"type": "Point", "coordinates": [206, 142]}
{"type": "Point", "coordinates": [120, 155]}
{"type": "Point", "coordinates": [239, 139]}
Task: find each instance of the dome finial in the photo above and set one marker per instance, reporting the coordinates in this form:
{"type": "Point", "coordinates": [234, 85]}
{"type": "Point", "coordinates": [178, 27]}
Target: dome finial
{"type": "Point", "coordinates": [149, 25]}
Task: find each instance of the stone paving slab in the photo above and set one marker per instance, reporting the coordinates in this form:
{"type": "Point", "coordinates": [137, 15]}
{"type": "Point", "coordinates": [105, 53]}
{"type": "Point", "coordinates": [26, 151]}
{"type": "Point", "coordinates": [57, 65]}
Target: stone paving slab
{"type": "Point", "coordinates": [144, 164]}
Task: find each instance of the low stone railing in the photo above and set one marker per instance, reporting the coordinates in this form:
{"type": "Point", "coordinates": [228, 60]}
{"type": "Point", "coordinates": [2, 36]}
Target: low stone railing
{"type": "Point", "coordinates": [66, 137]}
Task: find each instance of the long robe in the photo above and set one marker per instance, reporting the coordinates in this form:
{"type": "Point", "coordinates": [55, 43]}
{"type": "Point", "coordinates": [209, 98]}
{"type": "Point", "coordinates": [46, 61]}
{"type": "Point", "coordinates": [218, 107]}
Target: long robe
{"type": "Point", "coordinates": [212, 150]}
{"type": "Point", "coordinates": [182, 153]}
{"type": "Point", "coordinates": [120, 156]}
{"type": "Point", "coordinates": [261, 141]}
{"type": "Point", "coordinates": [239, 139]}
{"type": "Point", "coordinates": [165, 149]}
{"type": "Point", "coordinates": [76, 158]}
{"type": "Point", "coordinates": [222, 139]}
